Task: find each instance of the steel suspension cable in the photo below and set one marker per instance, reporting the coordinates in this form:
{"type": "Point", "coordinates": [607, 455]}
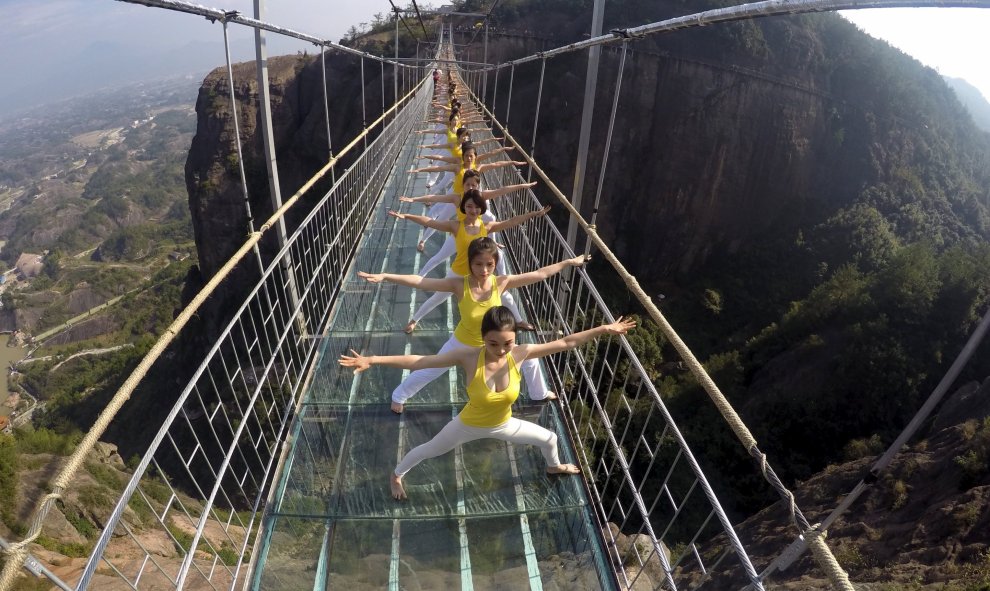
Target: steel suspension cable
{"type": "Point", "coordinates": [326, 109]}
{"type": "Point", "coordinates": [608, 143]}
{"type": "Point", "coordinates": [17, 552]}
{"type": "Point", "coordinates": [508, 102]}
{"type": "Point", "coordinates": [426, 35]}
{"type": "Point", "coordinates": [214, 14]}
{"type": "Point", "coordinates": [823, 555]}
{"type": "Point", "coordinates": [536, 118]}
{"type": "Point", "coordinates": [399, 16]}
{"type": "Point", "coordinates": [364, 112]}
{"type": "Point", "coordinates": [383, 86]}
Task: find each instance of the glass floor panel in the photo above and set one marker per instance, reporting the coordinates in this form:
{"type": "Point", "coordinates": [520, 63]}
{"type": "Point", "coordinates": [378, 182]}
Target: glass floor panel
{"type": "Point", "coordinates": [484, 516]}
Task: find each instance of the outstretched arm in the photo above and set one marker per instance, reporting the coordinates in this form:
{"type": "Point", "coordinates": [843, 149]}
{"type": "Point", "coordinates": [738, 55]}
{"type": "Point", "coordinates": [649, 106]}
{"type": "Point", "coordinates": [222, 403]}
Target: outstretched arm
{"type": "Point", "coordinates": [516, 220]}
{"type": "Point", "coordinates": [541, 274]}
{"type": "Point", "coordinates": [493, 193]}
{"type": "Point", "coordinates": [362, 362]}
{"type": "Point", "coordinates": [448, 198]}
{"type": "Point", "coordinates": [445, 225]}
{"type": "Point", "coordinates": [494, 153]}
{"type": "Point", "coordinates": [414, 281]}
{"type": "Point", "coordinates": [488, 141]}
{"type": "Point", "coordinates": [449, 168]}
{"type": "Point", "coordinates": [434, 157]}
{"type": "Point", "coordinates": [571, 341]}
{"type": "Point", "coordinates": [499, 164]}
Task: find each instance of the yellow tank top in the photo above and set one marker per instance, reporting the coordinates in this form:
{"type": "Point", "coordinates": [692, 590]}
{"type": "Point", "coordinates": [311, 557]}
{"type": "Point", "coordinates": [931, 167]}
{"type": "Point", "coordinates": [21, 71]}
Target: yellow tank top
{"type": "Point", "coordinates": [461, 241]}
{"type": "Point", "coordinates": [459, 180]}
{"type": "Point", "coordinates": [486, 407]}
{"type": "Point", "coordinates": [451, 137]}
{"type": "Point", "coordinates": [468, 330]}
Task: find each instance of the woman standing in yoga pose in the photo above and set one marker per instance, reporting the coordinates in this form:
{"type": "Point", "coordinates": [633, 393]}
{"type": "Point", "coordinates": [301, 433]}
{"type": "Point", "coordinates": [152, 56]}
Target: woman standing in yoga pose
{"type": "Point", "coordinates": [492, 388]}
{"type": "Point", "coordinates": [468, 226]}
{"type": "Point", "coordinates": [444, 208]}
{"type": "Point", "coordinates": [478, 291]}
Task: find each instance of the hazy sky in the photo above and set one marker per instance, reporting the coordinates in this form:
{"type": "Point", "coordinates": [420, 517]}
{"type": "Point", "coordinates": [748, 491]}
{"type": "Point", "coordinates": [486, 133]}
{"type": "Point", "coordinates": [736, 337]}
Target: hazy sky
{"type": "Point", "coordinates": [62, 44]}
{"type": "Point", "coordinates": [954, 41]}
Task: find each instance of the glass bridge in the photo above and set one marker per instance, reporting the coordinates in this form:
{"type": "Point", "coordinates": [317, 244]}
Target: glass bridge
{"type": "Point", "coordinates": [486, 516]}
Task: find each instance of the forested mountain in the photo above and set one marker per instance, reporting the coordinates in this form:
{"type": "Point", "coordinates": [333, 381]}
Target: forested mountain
{"type": "Point", "coordinates": [974, 100]}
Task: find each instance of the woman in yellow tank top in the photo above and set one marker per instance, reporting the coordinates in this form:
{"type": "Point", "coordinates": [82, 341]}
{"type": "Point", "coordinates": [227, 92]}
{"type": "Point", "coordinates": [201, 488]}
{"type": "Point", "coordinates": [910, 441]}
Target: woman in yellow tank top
{"type": "Point", "coordinates": [475, 294]}
{"type": "Point", "coordinates": [465, 229]}
{"type": "Point", "coordinates": [493, 387]}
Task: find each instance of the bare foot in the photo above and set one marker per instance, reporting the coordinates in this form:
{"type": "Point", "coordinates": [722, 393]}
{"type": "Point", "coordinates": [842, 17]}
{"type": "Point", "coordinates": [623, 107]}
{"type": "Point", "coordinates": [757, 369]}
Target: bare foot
{"type": "Point", "coordinates": [411, 326]}
{"type": "Point", "coordinates": [550, 396]}
{"type": "Point", "coordinates": [421, 246]}
{"type": "Point", "coordinates": [560, 469]}
{"type": "Point", "coordinates": [398, 491]}
{"type": "Point", "coordinates": [524, 326]}
{"type": "Point", "coordinates": [397, 407]}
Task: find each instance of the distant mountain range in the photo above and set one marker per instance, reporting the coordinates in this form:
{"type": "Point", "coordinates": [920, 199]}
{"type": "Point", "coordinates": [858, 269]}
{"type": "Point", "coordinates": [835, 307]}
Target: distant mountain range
{"type": "Point", "coordinates": [99, 65]}
{"type": "Point", "coordinates": [973, 100]}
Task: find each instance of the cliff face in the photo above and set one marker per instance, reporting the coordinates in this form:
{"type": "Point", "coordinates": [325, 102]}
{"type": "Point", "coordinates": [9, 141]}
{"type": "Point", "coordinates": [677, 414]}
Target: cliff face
{"type": "Point", "coordinates": [216, 196]}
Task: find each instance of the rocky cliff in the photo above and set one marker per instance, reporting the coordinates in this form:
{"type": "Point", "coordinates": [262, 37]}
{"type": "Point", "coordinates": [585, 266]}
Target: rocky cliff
{"type": "Point", "coordinates": [216, 197]}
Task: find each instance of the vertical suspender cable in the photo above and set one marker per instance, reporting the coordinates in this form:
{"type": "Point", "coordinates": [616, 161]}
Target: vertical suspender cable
{"type": "Point", "coordinates": [484, 88]}
{"type": "Point", "coordinates": [326, 108]}
{"type": "Point", "coordinates": [395, 66]}
{"type": "Point", "coordinates": [508, 102]}
{"type": "Point", "coordinates": [364, 110]}
{"type": "Point", "coordinates": [383, 88]}
{"type": "Point", "coordinates": [536, 119]}
{"type": "Point", "coordinates": [608, 143]}
{"type": "Point", "coordinates": [495, 91]}
{"type": "Point", "coordinates": [237, 144]}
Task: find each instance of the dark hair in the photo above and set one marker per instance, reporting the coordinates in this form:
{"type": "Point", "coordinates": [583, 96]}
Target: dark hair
{"type": "Point", "coordinates": [474, 195]}
{"type": "Point", "coordinates": [497, 318]}
{"type": "Point", "coordinates": [483, 245]}
{"type": "Point", "coordinates": [468, 145]}
{"type": "Point", "coordinates": [470, 174]}
{"type": "Point", "coordinates": [453, 114]}
{"type": "Point", "coordinates": [462, 131]}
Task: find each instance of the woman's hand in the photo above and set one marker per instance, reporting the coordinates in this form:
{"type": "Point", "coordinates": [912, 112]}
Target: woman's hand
{"type": "Point", "coordinates": [396, 214]}
{"type": "Point", "coordinates": [372, 277]}
{"type": "Point", "coordinates": [539, 213]}
{"type": "Point", "coordinates": [405, 199]}
{"type": "Point", "coordinates": [356, 360]}
{"type": "Point", "coordinates": [578, 261]}
{"type": "Point", "coordinates": [620, 326]}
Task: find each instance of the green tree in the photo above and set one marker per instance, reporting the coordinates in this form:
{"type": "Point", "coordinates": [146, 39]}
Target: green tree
{"type": "Point", "coordinates": [8, 478]}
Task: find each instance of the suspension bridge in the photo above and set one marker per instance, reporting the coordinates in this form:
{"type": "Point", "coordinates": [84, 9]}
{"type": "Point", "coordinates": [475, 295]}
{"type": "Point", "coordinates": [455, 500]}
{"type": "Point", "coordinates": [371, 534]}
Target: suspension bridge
{"type": "Point", "coordinates": [270, 470]}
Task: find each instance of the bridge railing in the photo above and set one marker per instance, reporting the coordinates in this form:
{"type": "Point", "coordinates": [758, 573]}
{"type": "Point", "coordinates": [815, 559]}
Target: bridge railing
{"type": "Point", "coordinates": [200, 488]}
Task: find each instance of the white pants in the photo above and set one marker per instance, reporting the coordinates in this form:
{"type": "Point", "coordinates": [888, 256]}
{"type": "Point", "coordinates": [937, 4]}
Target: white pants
{"type": "Point", "coordinates": [536, 385]}
{"type": "Point", "coordinates": [456, 433]}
